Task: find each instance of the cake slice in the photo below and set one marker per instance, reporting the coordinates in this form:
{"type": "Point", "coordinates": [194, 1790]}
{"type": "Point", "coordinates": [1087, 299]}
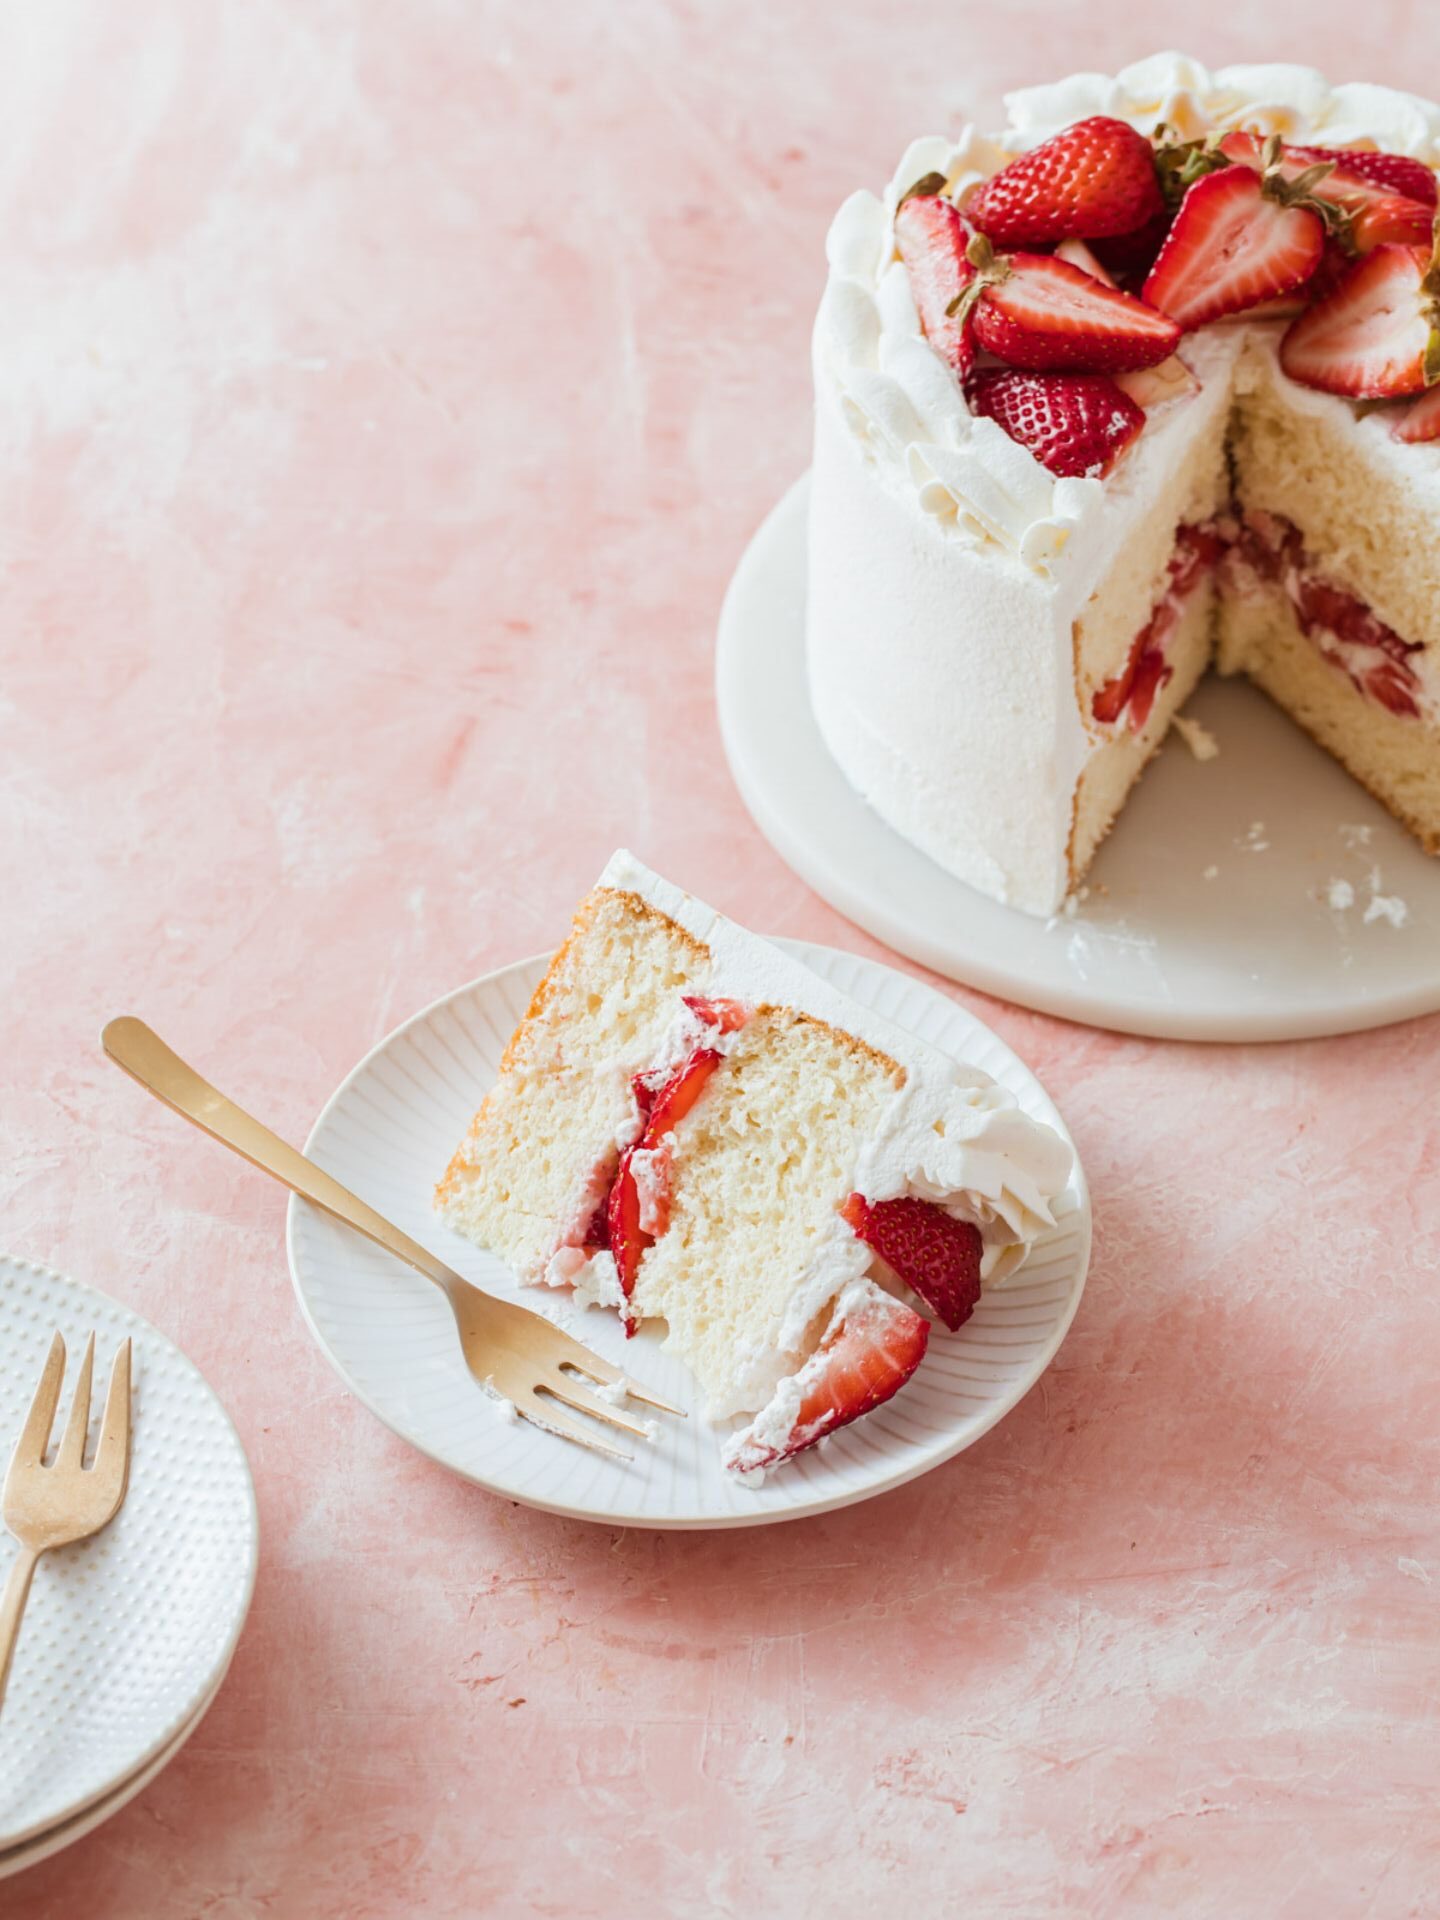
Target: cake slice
{"type": "Point", "coordinates": [689, 1126]}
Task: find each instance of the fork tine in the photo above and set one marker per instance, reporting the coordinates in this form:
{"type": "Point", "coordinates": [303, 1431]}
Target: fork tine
{"type": "Point", "coordinates": [112, 1453]}
{"type": "Point", "coordinates": [584, 1361]}
{"type": "Point", "coordinates": [547, 1415]}
{"type": "Point", "coordinates": [72, 1441]}
{"type": "Point", "coordinates": [35, 1434]}
{"type": "Point", "coordinates": [584, 1401]}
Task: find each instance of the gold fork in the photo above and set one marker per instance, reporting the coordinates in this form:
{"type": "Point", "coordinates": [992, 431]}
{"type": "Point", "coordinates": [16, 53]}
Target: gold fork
{"type": "Point", "coordinates": [520, 1356]}
{"type": "Point", "coordinates": [55, 1506]}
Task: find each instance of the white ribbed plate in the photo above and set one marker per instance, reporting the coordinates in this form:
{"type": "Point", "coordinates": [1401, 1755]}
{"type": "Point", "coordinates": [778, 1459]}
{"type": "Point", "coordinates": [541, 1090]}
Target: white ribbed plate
{"type": "Point", "coordinates": [388, 1134]}
{"type": "Point", "coordinates": [126, 1635]}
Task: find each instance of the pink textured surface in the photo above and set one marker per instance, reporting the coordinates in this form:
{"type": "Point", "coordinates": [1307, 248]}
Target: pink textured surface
{"type": "Point", "coordinates": [387, 393]}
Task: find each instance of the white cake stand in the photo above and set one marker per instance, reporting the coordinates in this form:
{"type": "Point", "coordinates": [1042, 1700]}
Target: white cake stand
{"type": "Point", "coordinates": [1214, 909]}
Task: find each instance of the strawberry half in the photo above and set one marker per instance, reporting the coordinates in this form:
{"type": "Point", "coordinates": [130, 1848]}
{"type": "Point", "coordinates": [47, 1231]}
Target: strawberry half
{"type": "Point", "coordinates": [1240, 238]}
{"type": "Point", "coordinates": [1036, 311]}
{"type": "Point", "coordinates": [1377, 336]}
{"type": "Point", "coordinates": [1093, 180]}
{"type": "Point", "coordinates": [936, 1255]}
{"type": "Point", "coordinates": [933, 239]}
{"type": "Point", "coordinates": [1366, 211]}
{"type": "Point", "coordinates": [870, 1350]}
{"type": "Point", "coordinates": [1421, 421]}
{"type": "Point", "coordinates": [1395, 172]}
{"type": "Point", "coordinates": [1074, 423]}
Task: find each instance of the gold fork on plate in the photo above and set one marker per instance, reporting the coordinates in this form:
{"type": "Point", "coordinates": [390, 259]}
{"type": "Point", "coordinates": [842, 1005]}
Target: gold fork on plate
{"type": "Point", "coordinates": [55, 1506]}
{"type": "Point", "coordinates": [520, 1356]}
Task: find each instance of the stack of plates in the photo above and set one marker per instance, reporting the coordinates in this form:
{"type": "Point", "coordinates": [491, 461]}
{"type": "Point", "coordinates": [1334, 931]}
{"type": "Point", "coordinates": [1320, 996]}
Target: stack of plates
{"type": "Point", "coordinates": [128, 1636]}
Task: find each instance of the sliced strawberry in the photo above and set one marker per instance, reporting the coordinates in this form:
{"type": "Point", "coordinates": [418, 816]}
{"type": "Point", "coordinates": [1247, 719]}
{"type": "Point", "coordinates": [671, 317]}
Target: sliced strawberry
{"type": "Point", "coordinates": [1272, 547]}
{"type": "Point", "coordinates": [1395, 172]}
{"type": "Point", "coordinates": [727, 1016]}
{"type": "Point", "coordinates": [625, 1235]}
{"type": "Point", "coordinates": [936, 1255]}
{"type": "Point", "coordinates": [1375, 337]}
{"type": "Point", "coordinates": [1146, 670]}
{"type": "Point", "coordinates": [679, 1094]}
{"type": "Point", "coordinates": [1094, 179]}
{"type": "Point", "coordinates": [1236, 241]}
{"type": "Point", "coordinates": [1372, 212]}
{"type": "Point", "coordinates": [870, 1350]}
{"type": "Point", "coordinates": [628, 1240]}
{"type": "Point", "coordinates": [1040, 312]}
{"type": "Point", "coordinates": [1421, 421]}
{"type": "Point", "coordinates": [1073, 423]}
{"type": "Point", "coordinates": [932, 236]}
{"type": "Point", "coordinates": [597, 1234]}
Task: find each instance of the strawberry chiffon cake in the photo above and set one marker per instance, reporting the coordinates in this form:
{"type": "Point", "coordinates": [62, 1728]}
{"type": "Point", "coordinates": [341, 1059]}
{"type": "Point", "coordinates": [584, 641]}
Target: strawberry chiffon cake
{"type": "Point", "coordinates": [691, 1127]}
{"type": "Point", "coordinates": [1146, 383]}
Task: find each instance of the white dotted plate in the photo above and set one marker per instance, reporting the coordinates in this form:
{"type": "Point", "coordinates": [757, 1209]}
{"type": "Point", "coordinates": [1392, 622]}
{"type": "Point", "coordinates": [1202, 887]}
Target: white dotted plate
{"type": "Point", "coordinates": [127, 1634]}
{"type": "Point", "coordinates": [388, 1133]}
{"type": "Point", "coordinates": [55, 1839]}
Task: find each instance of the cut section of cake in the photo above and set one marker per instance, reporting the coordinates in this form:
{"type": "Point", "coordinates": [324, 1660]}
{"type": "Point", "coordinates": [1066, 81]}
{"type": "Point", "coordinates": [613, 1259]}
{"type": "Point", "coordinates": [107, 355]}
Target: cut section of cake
{"type": "Point", "coordinates": [691, 1127]}
{"type": "Point", "coordinates": [1052, 489]}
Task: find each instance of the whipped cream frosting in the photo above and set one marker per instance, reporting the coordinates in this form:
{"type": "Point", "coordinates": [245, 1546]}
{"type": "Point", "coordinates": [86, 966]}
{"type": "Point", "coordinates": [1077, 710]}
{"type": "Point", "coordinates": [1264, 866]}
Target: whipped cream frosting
{"type": "Point", "coordinates": [900, 399]}
{"type": "Point", "coordinates": [949, 1134]}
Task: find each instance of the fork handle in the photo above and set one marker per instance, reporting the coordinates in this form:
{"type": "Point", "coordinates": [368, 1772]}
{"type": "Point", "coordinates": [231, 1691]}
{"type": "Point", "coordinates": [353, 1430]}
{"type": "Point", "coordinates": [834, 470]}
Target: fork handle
{"type": "Point", "coordinates": [146, 1058]}
{"type": "Point", "coordinates": [12, 1605]}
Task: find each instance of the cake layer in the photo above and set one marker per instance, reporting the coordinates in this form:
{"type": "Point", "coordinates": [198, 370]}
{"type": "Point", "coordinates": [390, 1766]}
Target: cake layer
{"type": "Point", "coordinates": [755, 1251]}
{"type": "Point", "coordinates": [682, 1120]}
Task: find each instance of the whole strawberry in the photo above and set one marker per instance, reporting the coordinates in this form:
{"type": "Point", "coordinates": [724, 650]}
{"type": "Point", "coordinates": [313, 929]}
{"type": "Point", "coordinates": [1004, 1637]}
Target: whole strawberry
{"type": "Point", "coordinates": [1095, 179]}
{"type": "Point", "coordinates": [1076, 424]}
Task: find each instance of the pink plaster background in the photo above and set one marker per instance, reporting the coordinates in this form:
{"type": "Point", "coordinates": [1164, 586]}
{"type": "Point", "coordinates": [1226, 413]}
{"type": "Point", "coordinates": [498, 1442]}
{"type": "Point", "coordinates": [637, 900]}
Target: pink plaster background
{"type": "Point", "coordinates": [386, 393]}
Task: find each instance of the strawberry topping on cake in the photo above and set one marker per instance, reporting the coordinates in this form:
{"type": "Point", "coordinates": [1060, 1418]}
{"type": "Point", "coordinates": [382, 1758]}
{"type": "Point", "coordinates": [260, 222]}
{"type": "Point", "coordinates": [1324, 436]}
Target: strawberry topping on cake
{"type": "Point", "coordinates": [1094, 180]}
{"type": "Point", "coordinates": [1073, 423]}
{"type": "Point", "coordinates": [1035, 310]}
{"type": "Point", "coordinates": [1237, 225]}
{"type": "Point", "coordinates": [1377, 336]}
{"type": "Point", "coordinates": [934, 241]}
{"type": "Point", "coordinates": [1239, 239]}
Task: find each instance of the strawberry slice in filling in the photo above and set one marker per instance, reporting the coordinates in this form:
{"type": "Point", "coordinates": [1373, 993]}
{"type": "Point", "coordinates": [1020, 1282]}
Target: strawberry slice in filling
{"type": "Point", "coordinates": [1131, 692]}
{"type": "Point", "coordinates": [1341, 626]}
